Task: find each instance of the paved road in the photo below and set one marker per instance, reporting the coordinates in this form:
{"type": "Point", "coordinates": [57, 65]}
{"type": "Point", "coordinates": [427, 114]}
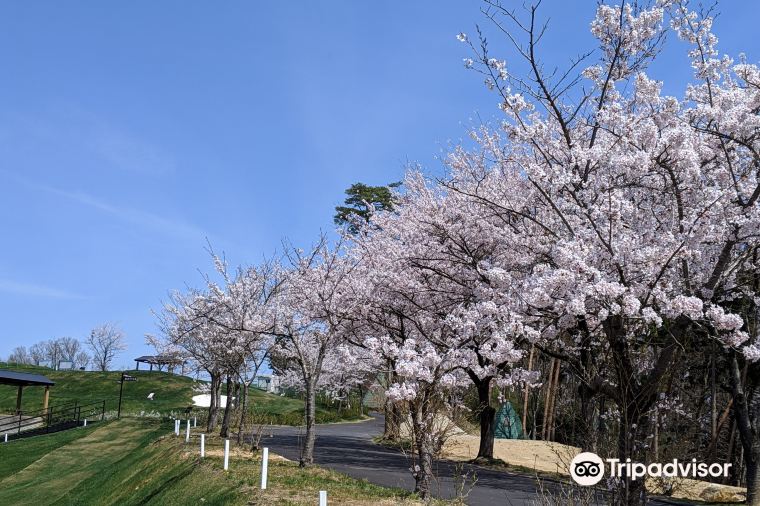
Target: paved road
{"type": "Point", "coordinates": [348, 448]}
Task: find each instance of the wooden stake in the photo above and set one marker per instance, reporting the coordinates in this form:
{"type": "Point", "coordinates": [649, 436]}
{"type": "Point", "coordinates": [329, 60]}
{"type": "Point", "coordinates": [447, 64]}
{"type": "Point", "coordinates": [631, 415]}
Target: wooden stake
{"type": "Point", "coordinates": [525, 395]}
{"type": "Point", "coordinates": [553, 404]}
{"type": "Point", "coordinates": [547, 400]}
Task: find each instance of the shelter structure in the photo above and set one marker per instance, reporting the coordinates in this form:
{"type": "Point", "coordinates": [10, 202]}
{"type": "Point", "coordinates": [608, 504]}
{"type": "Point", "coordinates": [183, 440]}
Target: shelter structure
{"type": "Point", "coordinates": [23, 379]}
{"type": "Point", "coordinates": [170, 361]}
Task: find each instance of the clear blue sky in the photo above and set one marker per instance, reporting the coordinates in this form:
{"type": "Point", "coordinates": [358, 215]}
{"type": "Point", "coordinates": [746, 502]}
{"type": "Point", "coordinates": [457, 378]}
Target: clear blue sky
{"type": "Point", "coordinates": [130, 131]}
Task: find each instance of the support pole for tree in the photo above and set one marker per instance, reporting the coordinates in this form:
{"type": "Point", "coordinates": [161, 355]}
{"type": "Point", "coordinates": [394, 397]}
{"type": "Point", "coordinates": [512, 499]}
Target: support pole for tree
{"type": "Point", "coordinates": [553, 405]}
{"type": "Point", "coordinates": [525, 396]}
{"type": "Point", "coordinates": [547, 401]}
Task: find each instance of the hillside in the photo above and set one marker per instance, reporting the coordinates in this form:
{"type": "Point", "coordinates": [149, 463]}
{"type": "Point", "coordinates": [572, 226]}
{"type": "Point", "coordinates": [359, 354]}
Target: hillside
{"type": "Point", "coordinates": [136, 461]}
{"type": "Point", "coordinates": [172, 393]}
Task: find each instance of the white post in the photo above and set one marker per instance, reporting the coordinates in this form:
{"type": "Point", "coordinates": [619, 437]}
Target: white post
{"type": "Point", "coordinates": [6, 437]}
{"type": "Point", "coordinates": [203, 445]}
{"type": "Point", "coordinates": [195, 422]}
{"type": "Point", "coordinates": [264, 467]}
{"type": "Point", "coordinates": [323, 498]}
{"type": "Point", "coordinates": [176, 427]}
{"type": "Point", "coordinates": [85, 422]}
{"type": "Point", "coordinates": [187, 432]}
{"type": "Point", "coordinates": [226, 454]}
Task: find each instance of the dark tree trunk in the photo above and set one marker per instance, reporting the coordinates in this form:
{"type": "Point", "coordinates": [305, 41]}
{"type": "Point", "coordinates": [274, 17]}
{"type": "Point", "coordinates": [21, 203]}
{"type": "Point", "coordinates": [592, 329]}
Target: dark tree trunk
{"type": "Point", "coordinates": [243, 411]}
{"type": "Point", "coordinates": [487, 415]}
{"type": "Point", "coordinates": [213, 409]}
{"type": "Point", "coordinates": [307, 452]}
{"type": "Point", "coordinates": [586, 437]}
{"type": "Point", "coordinates": [746, 412]}
{"type": "Point", "coordinates": [633, 433]}
{"type": "Point", "coordinates": [225, 431]}
{"type": "Point", "coordinates": [635, 394]}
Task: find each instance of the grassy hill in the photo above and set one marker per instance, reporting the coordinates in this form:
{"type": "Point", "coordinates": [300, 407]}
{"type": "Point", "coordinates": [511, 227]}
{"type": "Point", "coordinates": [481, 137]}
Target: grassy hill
{"type": "Point", "coordinates": [172, 393]}
{"type": "Point", "coordinates": [136, 461]}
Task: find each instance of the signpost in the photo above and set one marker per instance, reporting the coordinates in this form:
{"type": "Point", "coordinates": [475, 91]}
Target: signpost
{"type": "Point", "coordinates": [124, 377]}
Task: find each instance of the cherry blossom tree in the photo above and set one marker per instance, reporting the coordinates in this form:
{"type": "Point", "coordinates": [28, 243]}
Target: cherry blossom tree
{"type": "Point", "coordinates": [309, 317]}
{"type": "Point", "coordinates": [426, 308]}
{"type": "Point", "coordinates": [223, 328]}
{"type": "Point", "coordinates": [639, 210]}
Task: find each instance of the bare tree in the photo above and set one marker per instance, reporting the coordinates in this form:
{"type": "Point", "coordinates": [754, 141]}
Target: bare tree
{"type": "Point", "coordinates": [19, 355]}
{"type": "Point", "coordinates": [81, 359]}
{"type": "Point", "coordinates": [37, 353]}
{"type": "Point", "coordinates": [52, 350]}
{"type": "Point", "coordinates": [69, 348]}
{"type": "Point", "coordinates": [105, 341]}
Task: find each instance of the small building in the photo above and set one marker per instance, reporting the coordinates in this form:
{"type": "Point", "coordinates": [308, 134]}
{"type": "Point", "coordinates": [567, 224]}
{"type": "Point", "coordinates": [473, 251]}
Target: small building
{"type": "Point", "coordinates": [267, 382]}
{"type": "Point", "coordinates": [170, 361]}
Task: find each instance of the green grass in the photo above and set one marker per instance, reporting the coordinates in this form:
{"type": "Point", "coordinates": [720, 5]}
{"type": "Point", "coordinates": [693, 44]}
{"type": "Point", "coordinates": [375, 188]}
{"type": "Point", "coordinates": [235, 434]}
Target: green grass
{"type": "Point", "coordinates": [134, 461]}
{"type": "Point", "coordinates": [17, 454]}
{"type": "Point", "coordinates": [173, 394]}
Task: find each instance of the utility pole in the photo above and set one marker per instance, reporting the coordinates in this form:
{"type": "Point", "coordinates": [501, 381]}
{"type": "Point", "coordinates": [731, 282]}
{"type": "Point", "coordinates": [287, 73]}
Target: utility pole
{"type": "Point", "coordinates": [124, 377]}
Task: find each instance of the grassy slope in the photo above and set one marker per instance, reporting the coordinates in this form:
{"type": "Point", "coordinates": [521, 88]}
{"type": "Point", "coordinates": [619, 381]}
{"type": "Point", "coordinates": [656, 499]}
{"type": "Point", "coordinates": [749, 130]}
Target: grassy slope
{"type": "Point", "coordinates": [173, 393]}
{"type": "Point", "coordinates": [13, 460]}
{"type": "Point", "coordinates": [129, 462]}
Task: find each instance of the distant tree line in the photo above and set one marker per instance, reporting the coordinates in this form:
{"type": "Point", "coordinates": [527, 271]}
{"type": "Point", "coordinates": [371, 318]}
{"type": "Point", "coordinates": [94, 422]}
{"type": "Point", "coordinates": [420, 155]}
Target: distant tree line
{"type": "Point", "coordinates": [103, 343]}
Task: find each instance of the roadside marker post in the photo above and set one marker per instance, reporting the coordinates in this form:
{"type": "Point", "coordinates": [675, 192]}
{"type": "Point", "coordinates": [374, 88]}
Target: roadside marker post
{"type": "Point", "coordinates": [85, 423]}
{"type": "Point", "coordinates": [176, 427]}
{"type": "Point", "coordinates": [226, 454]}
{"type": "Point", "coordinates": [187, 432]}
{"type": "Point", "coordinates": [203, 445]}
{"type": "Point", "coordinates": [195, 422]}
{"type": "Point", "coordinates": [323, 498]}
{"type": "Point", "coordinates": [6, 437]}
{"type": "Point", "coordinates": [264, 467]}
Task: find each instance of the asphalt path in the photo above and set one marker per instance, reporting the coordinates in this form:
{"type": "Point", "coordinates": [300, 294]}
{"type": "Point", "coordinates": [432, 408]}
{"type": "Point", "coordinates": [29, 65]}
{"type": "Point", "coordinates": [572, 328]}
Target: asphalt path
{"type": "Point", "coordinates": [349, 449]}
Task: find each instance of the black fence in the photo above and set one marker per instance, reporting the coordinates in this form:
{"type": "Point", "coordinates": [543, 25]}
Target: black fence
{"type": "Point", "coordinates": [52, 419]}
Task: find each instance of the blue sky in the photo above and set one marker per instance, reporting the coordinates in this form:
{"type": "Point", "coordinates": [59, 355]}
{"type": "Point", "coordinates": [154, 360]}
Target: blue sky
{"type": "Point", "coordinates": [132, 131]}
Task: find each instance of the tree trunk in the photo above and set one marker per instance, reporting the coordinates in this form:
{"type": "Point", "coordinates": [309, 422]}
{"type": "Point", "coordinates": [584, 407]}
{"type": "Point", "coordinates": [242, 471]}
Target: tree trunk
{"type": "Point", "coordinates": [526, 395]}
{"type": "Point", "coordinates": [392, 424]}
{"type": "Point", "coordinates": [487, 415]}
{"type": "Point", "coordinates": [586, 438]}
{"type": "Point", "coordinates": [243, 411]}
{"type": "Point", "coordinates": [746, 418]}
{"type": "Point", "coordinates": [424, 448]}
{"type": "Point", "coordinates": [213, 409]}
{"type": "Point", "coordinates": [633, 432]}
{"type": "Point", "coordinates": [225, 431]}
{"type": "Point", "coordinates": [307, 452]}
